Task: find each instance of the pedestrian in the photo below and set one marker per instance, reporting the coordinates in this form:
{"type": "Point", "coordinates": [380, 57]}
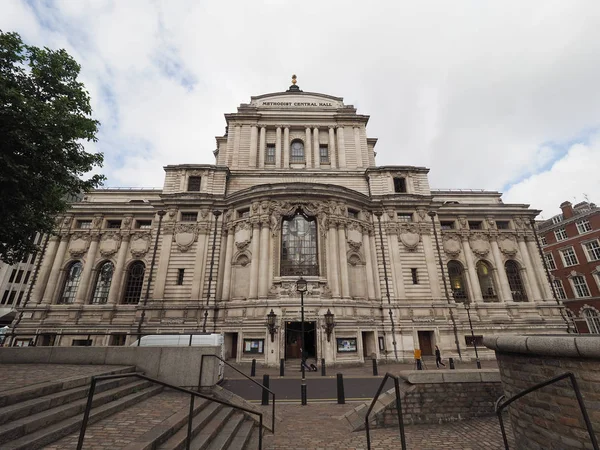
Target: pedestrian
{"type": "Point", "coordinates": [438, 357]}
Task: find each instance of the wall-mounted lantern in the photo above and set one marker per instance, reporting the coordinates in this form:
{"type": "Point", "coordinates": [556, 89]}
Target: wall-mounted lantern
{"type": "Point", "coordinates": [329, 324]}
{"type": "Point", "coordinates": [272, 324]}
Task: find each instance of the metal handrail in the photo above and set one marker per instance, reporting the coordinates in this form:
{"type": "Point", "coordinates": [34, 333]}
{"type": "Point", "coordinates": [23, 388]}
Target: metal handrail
{"type": "Point", "coordinates": [193, 394]}
{"type": "Point", "coordinates": [262, 386]}
{"type": "Point", "coordinates": [500, 406]}
{"type": "Point", "coordinates": [398, 406]}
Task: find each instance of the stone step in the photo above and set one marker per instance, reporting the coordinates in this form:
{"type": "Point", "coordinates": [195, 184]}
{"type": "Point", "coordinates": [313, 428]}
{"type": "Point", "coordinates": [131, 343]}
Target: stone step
{"type": "Point", "coordinates": [28, 407]}
{"type": "Point", "coordinates": [41, 389]}
{"type": "Point", "coordinates": [49, 434]}
{"type": "Point", "coordinates": [251, 440]}
{"type": "Point", "coordinates": [211, 429]}
{"type": "Point", "coordinates": [178, 439]}
{"type": "Point", "coordinates": [27, 425]}
{"type": "Point", "coordinates": [227, 432]}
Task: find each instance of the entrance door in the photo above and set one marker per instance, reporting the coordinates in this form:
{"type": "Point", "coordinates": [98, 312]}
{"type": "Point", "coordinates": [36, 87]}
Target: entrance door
{"type": "Point", "coordinates": [293, 339]}
{"type": "Point", "coordinates": [425, 342]}
{"type": "Point", "coordinates": [234, 343]}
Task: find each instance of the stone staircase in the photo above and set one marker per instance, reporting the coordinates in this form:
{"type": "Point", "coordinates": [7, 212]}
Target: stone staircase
{"type": "Point", "coordinates": [39, 415]}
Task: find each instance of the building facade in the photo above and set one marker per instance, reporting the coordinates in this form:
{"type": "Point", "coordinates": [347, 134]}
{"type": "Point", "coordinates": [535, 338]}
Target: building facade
{"type": "Point", "coordinates": [294, 192]}
{"type": "Point", "coordinates": [571, 245]}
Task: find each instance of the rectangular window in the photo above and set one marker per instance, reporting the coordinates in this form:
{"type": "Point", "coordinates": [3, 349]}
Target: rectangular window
{"type": "Point", "coordinates": [346, 345]}
{"type": "Point", "coordinates": [84, 224]}
{"type": "Point", "coordinates": [118, 339]}
{"type": "Point", "coordinates": [399, 185]}
{"type": "Point", "coordinates": [478, 340]}
{"type": "Point", "coordinates": [561, 234]}
{"type": "Point", "coordinates": [324, 152]}
{"type": "Point", "coordinates": [19, 276]}
{"type": "Point", "coordinates": [143, 224]}
{"type": "Point", "coordinates": [352, 213]}
{"type": "Point", "coordinates": [243, 213]}
{"type": "Point", "coordinates": [593, 250]}
{"type": "Point", "coordinates": [12, 276]}
{"type": "Point", "coordinates": [543, 240]}
{"type": "Point", "coordinates": [581, 288]}
{"type": "Point", "coordinates": [502, 224]}
{"type": "Point", "coordinates": [557, 219]}
{"type": "Point", "coordinates": [189, 216]}
{"type": "Point", "coordinates": [405, 217]}
{"type": "Point", "coordinates": [194, 184]}
{"type": "Point", "coordinates": [11, 297]}
{"type": "Point", "coordinates": [414, 275]}
{"type": "Point", "coordinates": [180, 273]}
{"type": "Point", "coordinates": [81, 343]}
{"type": "Point", "coordinates": [569, 257]}
{"type": "Point", "coordinates": [20, 297]}
{"type": "Point", "coordinates": [270, 155]}
{"type": "Point", "coordinates": [584, 226]}
{"type": "Point", "coordinates": [5, 296]}
{"type": "Point", "coordinates": [113, 224]}
{"type": "Point", "coordinates": [475, 224]}
{"type": "Point", "coordinates": [447, 224]}
{"type": "Point", "coordinates": [550, 261]}
{"type": "Point", "coordinates": [560, 290]}
{"type": "Point", "coordinates": [27, 275]}
{"type": "Point", "coordinates": [254, 346]}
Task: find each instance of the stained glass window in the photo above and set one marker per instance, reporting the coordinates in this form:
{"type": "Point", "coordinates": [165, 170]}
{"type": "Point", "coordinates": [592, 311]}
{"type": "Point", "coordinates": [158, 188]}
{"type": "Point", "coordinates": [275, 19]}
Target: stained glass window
{"type": "Point", "coordinates": [103, 282]}
{"type": "Point", "coordinates": [299, 246]}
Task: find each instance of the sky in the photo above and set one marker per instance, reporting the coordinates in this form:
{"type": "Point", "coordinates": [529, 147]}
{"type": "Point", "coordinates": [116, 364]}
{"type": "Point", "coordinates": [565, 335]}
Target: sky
{"type": "Point", "coordinates": [489, 95]}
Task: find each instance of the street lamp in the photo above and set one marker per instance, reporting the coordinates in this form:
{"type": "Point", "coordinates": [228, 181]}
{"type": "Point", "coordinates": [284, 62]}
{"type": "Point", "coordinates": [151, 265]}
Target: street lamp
{"type": "Point", "coordinates": [329, 324]}
{"type": "Point", "coordinates": [271, 321]}
{"type": "Point", "coordinates": [468, 308]}
{"type": "Point", "coordinates": [302, 286]}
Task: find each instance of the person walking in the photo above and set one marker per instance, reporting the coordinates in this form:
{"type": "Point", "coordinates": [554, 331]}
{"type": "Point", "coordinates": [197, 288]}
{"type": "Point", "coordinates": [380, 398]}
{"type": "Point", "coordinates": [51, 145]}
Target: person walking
{"type": "Point", "coordinates": [438, 357]}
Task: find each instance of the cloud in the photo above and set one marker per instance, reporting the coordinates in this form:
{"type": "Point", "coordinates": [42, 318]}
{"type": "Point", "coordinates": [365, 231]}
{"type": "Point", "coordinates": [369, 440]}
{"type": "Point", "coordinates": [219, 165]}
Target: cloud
{"type": "Point", "coordinates": [477, 92]}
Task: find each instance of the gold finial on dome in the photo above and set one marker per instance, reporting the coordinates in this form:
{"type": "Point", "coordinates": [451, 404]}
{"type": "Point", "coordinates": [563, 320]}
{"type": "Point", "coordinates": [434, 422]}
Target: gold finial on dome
{"type": "Point", "coordinates": [293, 79]}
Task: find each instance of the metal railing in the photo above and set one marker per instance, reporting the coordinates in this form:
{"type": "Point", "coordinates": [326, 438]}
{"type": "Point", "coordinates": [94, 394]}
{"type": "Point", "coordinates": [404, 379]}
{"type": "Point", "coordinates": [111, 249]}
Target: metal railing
{"type": "Point", "coordinates": [500, 406]}
{"type": "Point", "coordinates": [242, 373]}
{"type": "Point", "coordinates": [193, 395]}
{"type": "Point", "coordinates": [398, 406]}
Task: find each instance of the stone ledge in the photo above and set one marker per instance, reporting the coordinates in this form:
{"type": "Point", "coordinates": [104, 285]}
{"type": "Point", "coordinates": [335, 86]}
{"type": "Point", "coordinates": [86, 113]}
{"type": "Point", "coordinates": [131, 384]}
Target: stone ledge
{"type": "Point", "coordinates": [568, 345]}
{"type": "Point", "coordinates": [451, 376]}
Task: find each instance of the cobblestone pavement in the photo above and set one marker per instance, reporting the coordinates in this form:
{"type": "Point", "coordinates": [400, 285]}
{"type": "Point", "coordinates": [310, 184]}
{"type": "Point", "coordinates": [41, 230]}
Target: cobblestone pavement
{"type": "Point", "coordinates": [317, 426]}
{"type": "Point", "coordinates": [20, 375]}
{"type": "Point", "coordinates": [120, 429]}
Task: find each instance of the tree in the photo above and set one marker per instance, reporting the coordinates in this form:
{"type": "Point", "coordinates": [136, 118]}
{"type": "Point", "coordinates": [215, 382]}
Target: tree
{"type": "Point", "coordinates": [45, 117]}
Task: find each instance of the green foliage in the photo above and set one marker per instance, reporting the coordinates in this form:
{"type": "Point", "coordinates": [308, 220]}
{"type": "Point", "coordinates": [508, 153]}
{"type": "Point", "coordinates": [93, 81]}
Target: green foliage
{"type": "Point", "coordinates": [45, 116]}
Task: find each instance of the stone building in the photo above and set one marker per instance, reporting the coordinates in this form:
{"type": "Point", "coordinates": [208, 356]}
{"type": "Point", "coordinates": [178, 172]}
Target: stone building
{"type": "Point", "coordinates": [571, 245]}
{"type": "Point", "coordinates": [294, 192]}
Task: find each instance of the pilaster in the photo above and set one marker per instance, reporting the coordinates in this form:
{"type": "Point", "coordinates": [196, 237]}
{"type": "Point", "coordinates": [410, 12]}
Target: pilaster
{"type": "Point", "coordinates": [316, 148]}
{"type": "Point", "coordinates": [263, 280]}
{"type": "Point", "coordinates": [307, 149]}
{"type": "Point", "coordinates": [49, 293]}
{"type": "Point", "coordinates": [471, 270]}
{"type": "Point", "coordinates": [341, 147]}
{"type": "Point", "coordinates": [255, 263]}
{"type": "Point", "coordinates": [505, 292]}
{"type": "Point", "coordinates": [332, 150]}
{"type": "Point", "coordinates": [286, 147]}
{"type": "Point", "coordinates": [263, 147]}
{"type": "Point", "coordinates": [115, 284]}
{"type": "Point", "coordinates": [345, 282]}
{"type": "Point", "coordinates": [44, 273]}
{"type": "Point", "coordinates": [253, 146]}
{"type": "Point", "coordinates": [333, 263]}
{"type": "Point", "coordinates": [278, 148]}
{"type": "Point", "coordinates": [227, 264]}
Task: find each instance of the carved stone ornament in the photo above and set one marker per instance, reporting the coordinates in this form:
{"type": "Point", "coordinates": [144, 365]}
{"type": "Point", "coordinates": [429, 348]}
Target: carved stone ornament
{"type": "Point", "coordinates": [354, 260]}
{"type": "Point", "coordinates": [422, 214]}
{"type": "Point", "coordinates": [508, 245]}
{"type": "Point", "coordinates": [139, 245]}
{"type": "Point", "coordinates": [479, 245]}
{"type": "Point", "coordinates": [410, 239]}
{"type": "Point", "coordinates": [243, 245]}
{"type": "Point", "coordinates": [109, 244]}
{"type": "Point", "coordinates": [452, 245]}
{"type": "Point", "coordinates": [185, 236]}
{"type": "Point", "coordinates": [79, 244]}
{"type": "Point", "coordinates": [354, 245]}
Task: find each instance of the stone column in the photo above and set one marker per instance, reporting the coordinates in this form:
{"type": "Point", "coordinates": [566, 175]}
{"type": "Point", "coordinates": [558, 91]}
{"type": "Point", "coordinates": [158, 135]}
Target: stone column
{"type": "Point", "coordinates": [236, 145]}
{"type": "Point", "coordinates": [345, 282]}
{"type": "Point", "coordinates": [254, 265]}
{"type": "Point", "coordinates": [396, 265]}
{"type": "Point", "coordinates": [286, 147]}
{"type": "Point", "coordinates": [164, 257]}
{"type": "Point", "coordinates": [200, 262]}
{"type": "Point", "coordinates": [333, 263]}
{"type": "Point", "coordinates": [50, 292]}
{"type": "Point", "coordinates": [278, 147]}
{"type": "Point", "coordinates": [430, 258]}
{"type": "Point", "coordinates": [471, 271]}
{"type": "Point", "coordinates": [86, 273]}
{"type": "Point", "coordinates": [117, 279]}
{"type": "Point", "coordinates": [42, 279]}
{"type": "Point", "coordinates": [332, 153]}
{"type": "Point", "coordinates": [263, 276]}
{"type": "Point", "coordinates": [368, 265]}
{"type": "Point", "coordinates": [540, 273]}
{"type": "Point", "coordinates": [316, 149]}
{"type": "Point", "coordinates": [357, 147]}
{"type": "Point", "coordinates": [263, 147]}
{"type": "Point", "coordinates": [253, 146]}
{"type": "Point", "coordinates": [226, 294]}
{"type": "Point", "coordinates": [505, 292]}
{"type": "Point", "coordinates": [534, 293]}
{"type": "Point", "coordinates": [375, 266]}
{"type": "Point", "coordinates": [307, 149]}
{"type": "Point", "coordinates": [341, 147]}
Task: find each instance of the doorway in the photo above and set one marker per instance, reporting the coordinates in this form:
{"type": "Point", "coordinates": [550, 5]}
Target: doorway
{"type": "Point", "coordinates": [293, 339]}
{"type": "Point", "coordinates": [231, 344]}
{"type": "Point", "coordinates": [368, 343]}
{"type": "Point", "coordinates": [425, 342]}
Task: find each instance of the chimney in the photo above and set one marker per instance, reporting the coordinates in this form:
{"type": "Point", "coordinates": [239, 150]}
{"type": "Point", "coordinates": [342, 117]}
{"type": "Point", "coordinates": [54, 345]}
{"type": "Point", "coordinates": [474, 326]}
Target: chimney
{"type": "Point", "coordinates": [567, 210]}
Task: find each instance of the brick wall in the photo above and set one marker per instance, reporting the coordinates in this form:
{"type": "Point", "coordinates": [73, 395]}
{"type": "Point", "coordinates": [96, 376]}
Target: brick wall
{"type": "Point", "coordinates": [550, 418]}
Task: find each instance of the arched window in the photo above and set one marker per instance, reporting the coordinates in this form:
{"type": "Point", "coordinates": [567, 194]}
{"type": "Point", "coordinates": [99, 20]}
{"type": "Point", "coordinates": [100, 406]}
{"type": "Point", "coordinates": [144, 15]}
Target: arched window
{"type": "Point", "coordinates": [71, 282]}
{"type": "Point", "coordinates": [103, 281]}
{"type": "Point", "coordinates": [297, 152]}
{"type": "Point", "coordinates": [456, 274]}
{"type": "Point", "coordinates": [571, 318]}
{"type": "Point", "coordinates": [299, 246]}
{"type": "Point", "coordinates": [134, 282]}
{"type": "Point", "coordinates": [486, 281]}
{"type": "Point", "coordinates": [592, 318]}
{"type": "Point", "coordinates": [514, 281]}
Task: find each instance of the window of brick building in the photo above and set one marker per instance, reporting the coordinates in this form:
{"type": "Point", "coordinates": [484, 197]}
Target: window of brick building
{"type": "Point", "coordinates": [560, 290]}
{"type": "Point", "coordinates": [550, 261]}
{"type": "Point", "coordinates": [580, 286]}
{"type": "Point", "coordinates": [584, 226]}
{"type": "Point", "coordinates": [592, 318]}
{"type": "Point", "coordinates": [593, 250]}
{"type": "Point", "coordinates": [569, 257]}
{"type": "Point", "coordinates": [561, 234]}
{"type": "Point", "coordinates": [543, 240]}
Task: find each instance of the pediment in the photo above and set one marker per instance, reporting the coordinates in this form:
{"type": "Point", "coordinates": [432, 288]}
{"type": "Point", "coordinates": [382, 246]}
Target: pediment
{"type": "Point", "coordinates": [294, 100]}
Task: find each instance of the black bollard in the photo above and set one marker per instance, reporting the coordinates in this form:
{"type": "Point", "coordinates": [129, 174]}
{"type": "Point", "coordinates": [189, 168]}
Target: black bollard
{"type": "Point", "coordinates": [253, 368]}
{"type": "Point", "coordinates": [451, 363]}
{"type": "Point", "coordinates": [265, 393]}
{"type": "Point", "coordinates": [340, 389]}
{"type": "Point", "coordinates": [419, 365]}
{"type": "Point", "coordinates": [282, 367]}
{"type": "Point", "coordinates": [375, 373]}
{"type": "Point", "coordinates": [478, 363]}
{"type": "Point", "coordinates": [322, 367]}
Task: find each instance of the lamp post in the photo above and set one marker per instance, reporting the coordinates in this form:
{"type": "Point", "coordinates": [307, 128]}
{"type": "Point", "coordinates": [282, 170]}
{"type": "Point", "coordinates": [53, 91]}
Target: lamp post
{"type": "Point", "coordinates": [301, 286]}
{"type": "Point", "coordinates": [329, 324]}
{"type": "Point", "coordinates": [271, 324]}
{"type": "Point", "coordinates": [468, 308]}
{"type": "Point", "coordinates": [216, 213]}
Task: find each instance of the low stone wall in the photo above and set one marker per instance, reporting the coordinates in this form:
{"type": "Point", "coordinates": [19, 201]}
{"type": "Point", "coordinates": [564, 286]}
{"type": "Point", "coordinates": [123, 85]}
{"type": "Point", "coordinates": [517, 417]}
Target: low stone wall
{"type": "Point", "coordinates": [550, 417]}
{"type": "Point", "coordinates": [175, 365]}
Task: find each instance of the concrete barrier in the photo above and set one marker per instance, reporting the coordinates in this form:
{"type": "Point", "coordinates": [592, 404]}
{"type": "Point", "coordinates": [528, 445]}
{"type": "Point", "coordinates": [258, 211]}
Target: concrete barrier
{"type": "Point", "coordinates": [176, 365]}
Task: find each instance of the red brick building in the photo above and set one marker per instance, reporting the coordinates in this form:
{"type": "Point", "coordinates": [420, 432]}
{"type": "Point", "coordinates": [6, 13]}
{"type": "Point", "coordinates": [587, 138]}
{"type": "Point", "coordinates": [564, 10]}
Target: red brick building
{"type": "Point", "coordinates": [571, 246]}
